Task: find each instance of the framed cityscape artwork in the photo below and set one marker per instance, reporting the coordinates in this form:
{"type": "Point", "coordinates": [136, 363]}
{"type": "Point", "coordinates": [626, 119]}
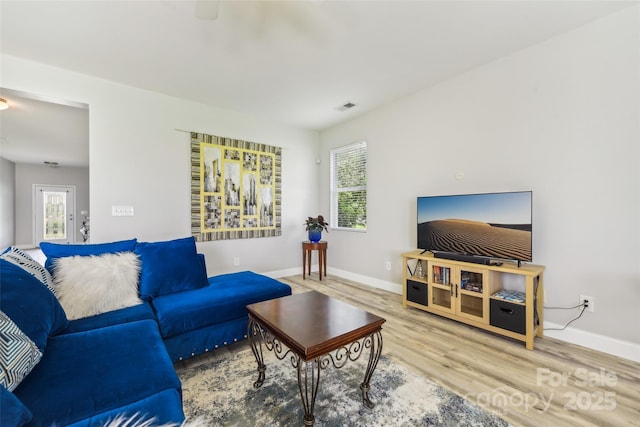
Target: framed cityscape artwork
{"type": "Point", "coordinates": [235, 188]}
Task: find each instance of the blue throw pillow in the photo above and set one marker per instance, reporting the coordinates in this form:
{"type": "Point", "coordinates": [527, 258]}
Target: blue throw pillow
{"type": "Point", "coordinates": [169, 267]}
{"type": "Point", "coordinates": [23, 260]}
{"type": "Point", "coordinates": [29, 304]}
{"type": "Point", "coordinates": [56, 250]}
{"type": "Point", "coordinates": [13, 412]}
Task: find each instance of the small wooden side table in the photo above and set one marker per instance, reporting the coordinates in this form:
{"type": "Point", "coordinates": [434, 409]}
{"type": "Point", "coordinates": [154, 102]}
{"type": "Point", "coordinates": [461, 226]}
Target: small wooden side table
{"type": "Point", "coordinates": [307, 250]}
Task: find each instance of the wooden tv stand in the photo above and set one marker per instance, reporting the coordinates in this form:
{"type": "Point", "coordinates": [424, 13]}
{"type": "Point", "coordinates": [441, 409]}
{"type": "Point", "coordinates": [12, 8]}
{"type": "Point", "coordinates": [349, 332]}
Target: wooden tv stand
{"type": "Point", "coordinates": [465, 292]}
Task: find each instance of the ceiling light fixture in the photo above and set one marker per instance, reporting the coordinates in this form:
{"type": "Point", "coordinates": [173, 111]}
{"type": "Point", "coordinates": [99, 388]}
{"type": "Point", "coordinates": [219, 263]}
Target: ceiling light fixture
{"type": "Point", "coordinates": [3, 104]}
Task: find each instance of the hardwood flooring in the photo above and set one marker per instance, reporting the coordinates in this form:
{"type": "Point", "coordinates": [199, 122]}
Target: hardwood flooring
{"type": "Point", "coordinates": [557, 384]}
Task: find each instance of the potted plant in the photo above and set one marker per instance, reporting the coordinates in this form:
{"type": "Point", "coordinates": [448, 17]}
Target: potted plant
{"type": "Point", "coordinates": [315, 226]}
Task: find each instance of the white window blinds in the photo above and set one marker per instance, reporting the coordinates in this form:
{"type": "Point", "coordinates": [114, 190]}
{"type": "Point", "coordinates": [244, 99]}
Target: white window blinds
{"type": "Point", "coordinates": [349, 187]}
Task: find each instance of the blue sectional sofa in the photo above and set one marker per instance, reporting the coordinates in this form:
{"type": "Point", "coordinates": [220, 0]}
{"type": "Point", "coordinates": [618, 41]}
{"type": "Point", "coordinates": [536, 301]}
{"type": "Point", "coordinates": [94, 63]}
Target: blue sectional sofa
{"type": "Point", "coordinates": [93, 368]}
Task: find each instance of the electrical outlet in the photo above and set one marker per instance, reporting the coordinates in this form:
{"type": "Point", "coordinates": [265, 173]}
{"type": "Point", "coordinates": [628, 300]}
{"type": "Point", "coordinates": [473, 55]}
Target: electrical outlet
{"type": "Point", "coordinates": [388, 265]}
{"type": "Point", "coordinates": [236, 260]}
{"type": "Point", "coordinates": [590, 303]}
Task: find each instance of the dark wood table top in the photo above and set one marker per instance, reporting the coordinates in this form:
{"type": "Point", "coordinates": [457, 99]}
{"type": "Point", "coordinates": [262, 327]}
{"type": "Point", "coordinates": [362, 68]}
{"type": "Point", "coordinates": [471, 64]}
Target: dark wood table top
{"type": "Point", "coordinates": [314, 245]}
{"type": "Point", "coordinates": [313, 324]}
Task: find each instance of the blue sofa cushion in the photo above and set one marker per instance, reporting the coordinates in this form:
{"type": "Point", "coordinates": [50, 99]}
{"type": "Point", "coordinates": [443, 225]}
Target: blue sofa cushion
{"type": "Point", "coordinates": [164, 407]}
{"type": "Point", "coordinates": [169, 267]}
{"type": "Point", "coordinates": [111, 318]}
{"type": "Point", "coordinates": [88, 373]}
{"type": "Point", "coordinates": [13, 413]}
{"type": "Point", "coordinates": [224, 299]}
{"type": "Point", "coordinates": [22, 259]}
{"type": "Point", "coordinates": [29, 304]}
{"type": "Point", "coordinates": [56, 250]}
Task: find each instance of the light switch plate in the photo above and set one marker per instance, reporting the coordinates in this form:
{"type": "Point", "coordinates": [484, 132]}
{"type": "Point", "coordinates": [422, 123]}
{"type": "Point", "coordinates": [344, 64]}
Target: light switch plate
{"type": "Point", "coordinates": [121, 210]}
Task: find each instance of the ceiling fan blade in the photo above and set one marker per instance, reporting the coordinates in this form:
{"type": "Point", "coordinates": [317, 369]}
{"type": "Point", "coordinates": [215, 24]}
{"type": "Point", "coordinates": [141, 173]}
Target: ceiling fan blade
{"type": "Point", "coordinates": [207, 9]}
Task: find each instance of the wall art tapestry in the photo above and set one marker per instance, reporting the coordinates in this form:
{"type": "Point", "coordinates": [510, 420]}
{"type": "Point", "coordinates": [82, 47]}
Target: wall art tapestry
{"type": "Point", "coordinates": [235, 188]}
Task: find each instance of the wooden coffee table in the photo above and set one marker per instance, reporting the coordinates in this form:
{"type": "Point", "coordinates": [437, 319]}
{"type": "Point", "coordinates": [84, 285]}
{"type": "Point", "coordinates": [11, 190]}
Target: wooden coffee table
{"type": "Point", "coordinates": [318, 331]}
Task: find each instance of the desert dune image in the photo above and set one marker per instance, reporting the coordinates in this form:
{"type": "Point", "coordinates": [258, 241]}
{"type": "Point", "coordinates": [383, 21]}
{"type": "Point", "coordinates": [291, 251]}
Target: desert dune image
{"type": "Point", "coordinates": [503, 241]}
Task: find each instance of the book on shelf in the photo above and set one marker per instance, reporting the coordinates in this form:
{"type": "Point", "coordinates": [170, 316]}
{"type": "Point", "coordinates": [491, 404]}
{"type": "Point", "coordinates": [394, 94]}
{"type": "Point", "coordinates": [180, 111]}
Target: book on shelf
{"type": "Point", "coordinates": [507, 295]}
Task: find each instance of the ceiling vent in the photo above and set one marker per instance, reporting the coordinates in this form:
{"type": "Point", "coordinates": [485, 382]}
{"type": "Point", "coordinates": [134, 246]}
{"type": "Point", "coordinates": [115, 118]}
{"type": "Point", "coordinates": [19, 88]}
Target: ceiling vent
{"type": "Point", "coordinates": [346, 106]}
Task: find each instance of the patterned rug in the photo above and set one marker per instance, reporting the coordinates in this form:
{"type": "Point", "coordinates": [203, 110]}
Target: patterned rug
{"type": "Point", "coordinates": [220, 388]}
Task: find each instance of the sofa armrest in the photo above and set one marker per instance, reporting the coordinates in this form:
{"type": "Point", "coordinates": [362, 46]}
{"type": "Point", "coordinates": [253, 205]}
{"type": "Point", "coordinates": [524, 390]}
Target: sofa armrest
{"type": "Point", "coordinates": [204, 264]}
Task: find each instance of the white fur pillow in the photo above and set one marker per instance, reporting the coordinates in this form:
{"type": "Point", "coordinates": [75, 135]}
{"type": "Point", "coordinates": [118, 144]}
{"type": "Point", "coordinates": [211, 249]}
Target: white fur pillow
{"type": "Point", "coordinates": [139, 421]}
{"type": "Point", "coordinates": [90, 285]}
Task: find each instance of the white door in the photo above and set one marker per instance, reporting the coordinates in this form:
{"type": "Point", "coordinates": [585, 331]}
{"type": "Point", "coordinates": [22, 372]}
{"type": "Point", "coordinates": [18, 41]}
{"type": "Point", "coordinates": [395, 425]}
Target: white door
{"type": "Point", "coordinates": [54, 208]}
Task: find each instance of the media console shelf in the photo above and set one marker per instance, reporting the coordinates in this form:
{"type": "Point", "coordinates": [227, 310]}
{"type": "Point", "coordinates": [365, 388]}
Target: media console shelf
{"type": "Point", "coordinates": [474, 294]}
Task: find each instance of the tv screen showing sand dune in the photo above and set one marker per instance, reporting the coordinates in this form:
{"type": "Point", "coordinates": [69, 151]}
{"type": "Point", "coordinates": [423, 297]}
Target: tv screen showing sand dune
{"type": "Point", "coordinates": [496, 225]}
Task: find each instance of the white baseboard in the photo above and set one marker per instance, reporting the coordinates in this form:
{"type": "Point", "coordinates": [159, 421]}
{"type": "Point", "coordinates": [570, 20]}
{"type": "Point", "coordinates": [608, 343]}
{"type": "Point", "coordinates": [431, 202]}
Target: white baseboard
{"type": "Point", "coordinates": [613, 346]}
{"type": "Point", "coordinates": [25, 246]}
{"type": "Point", "coordinates": [366, 280]}
{"type": "Point", "coordinates": [396, 288]}
{"type": "Point", "coordinates": [282, 273]}
{"type": "Point", "coordinates": [616, 347]}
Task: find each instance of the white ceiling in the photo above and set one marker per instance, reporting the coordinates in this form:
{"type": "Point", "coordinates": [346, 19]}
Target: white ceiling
{"type": "Point", "coordinates": [31, 130]}
{"type": "Point", "coordinates": [293, 62]}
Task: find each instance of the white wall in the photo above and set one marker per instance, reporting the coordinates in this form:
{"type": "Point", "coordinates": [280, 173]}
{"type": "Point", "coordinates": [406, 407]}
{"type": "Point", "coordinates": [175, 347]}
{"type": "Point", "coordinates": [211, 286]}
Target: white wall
{"type": "Point", "coordinates": [26, 176]}
{"type": "Point", "coordinates": [7, 202]}
{"type": "Point", "coordinates": [138, 157]}
{"type": "Point", "coordinates": [561, 119]}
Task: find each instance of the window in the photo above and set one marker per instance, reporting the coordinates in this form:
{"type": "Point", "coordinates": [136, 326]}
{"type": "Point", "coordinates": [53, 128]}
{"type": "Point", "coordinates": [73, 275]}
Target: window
{"type": "Point", "coordinates": [349, 187]}
{"type": "Point", "coordinates": [54, 215]}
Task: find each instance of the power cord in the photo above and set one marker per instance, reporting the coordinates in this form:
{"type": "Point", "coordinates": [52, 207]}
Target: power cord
{"type": "Point", "coordinates": [584, 306]}
{"type": "Point", "coordinates": [567, 308]}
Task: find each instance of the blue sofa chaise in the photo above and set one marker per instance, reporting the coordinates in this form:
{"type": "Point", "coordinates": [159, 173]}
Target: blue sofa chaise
{"type": "Point", "coordinates": [180, 313]}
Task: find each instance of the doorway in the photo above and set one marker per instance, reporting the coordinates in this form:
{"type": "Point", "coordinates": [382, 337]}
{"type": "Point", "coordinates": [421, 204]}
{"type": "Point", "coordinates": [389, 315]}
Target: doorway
{"type": "Point", "coordinates": [43, 152]}
{"type": "Point", "coordinates": [53, 214]}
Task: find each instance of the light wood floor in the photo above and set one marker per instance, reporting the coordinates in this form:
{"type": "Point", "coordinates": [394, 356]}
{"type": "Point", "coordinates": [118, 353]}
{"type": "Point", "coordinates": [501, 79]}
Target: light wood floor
{"type": "Point", "coordinates": [557, 384]}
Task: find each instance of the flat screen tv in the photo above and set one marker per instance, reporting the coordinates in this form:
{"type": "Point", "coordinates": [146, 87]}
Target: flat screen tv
{"type": "Point", "coordinates": [492, 225]}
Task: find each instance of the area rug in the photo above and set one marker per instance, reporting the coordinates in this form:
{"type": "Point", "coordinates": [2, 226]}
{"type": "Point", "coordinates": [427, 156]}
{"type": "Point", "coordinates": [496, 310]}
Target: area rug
{"type": "Point", "coordinates": [220, 389]}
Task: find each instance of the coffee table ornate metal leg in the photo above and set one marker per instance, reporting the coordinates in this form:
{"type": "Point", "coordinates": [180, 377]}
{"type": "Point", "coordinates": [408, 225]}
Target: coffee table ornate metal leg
{"type": "Point", "coordinates": [308, 382]}
{"type": "Point", "coordinates": [375, 342]}
{"type": "Point", "coordinates": [254, 332]}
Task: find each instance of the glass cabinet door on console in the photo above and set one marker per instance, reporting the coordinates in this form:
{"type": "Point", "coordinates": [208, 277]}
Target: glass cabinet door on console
{"type": "Point", "coordinates": [441, 285]}
{"type": "Point", "coordinates": [459, 290]}
{"type": "Point", "coordinates": [471, 290]}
